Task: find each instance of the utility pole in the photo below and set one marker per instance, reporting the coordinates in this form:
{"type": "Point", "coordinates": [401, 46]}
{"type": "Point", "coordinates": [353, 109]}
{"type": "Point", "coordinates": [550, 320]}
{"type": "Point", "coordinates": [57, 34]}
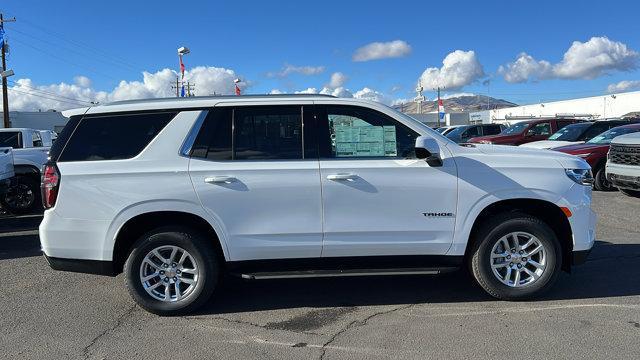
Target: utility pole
{"type": "Point", "coordinates": [5, 95]}
{"type": "Point", "coordinates": [438, 107]}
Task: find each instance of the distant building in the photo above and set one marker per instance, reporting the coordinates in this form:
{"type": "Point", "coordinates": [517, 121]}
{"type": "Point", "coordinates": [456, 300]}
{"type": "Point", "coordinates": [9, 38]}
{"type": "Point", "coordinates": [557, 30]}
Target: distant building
{"type": "Point", "coordinates": [595, 107]}
{"type": "Point", "coordinates": [40, 120]}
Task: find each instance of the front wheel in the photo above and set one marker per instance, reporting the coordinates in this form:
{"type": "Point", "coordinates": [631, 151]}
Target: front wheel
{"type": "Point", "coordinates": [632, 193]}
{"type": "Point", "coordinates": [516, 257]}
{"type": "Point", "coordinates": [171, 271]}
{"type": "Point", "coordinates": [601, 182]}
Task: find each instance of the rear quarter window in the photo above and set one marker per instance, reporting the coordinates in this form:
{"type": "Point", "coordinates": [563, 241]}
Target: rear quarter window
{"type": "Point", "coordinates": [111, 137]}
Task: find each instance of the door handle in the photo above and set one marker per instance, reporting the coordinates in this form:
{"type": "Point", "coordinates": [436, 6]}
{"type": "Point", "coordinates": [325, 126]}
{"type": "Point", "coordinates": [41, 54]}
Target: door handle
{"type": "Point", "coordinates": [337, 177]}
{"type": "Point", "coordinates": [220, 179]}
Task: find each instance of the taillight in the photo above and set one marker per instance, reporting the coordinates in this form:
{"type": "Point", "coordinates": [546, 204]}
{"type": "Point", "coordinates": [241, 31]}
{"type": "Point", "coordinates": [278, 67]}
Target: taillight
{"type": "Point", "coordinates": [50, 184]}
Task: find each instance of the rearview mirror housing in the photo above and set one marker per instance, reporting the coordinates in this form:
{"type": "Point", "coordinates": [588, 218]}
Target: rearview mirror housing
{"type": "Point", "coordinates": [427, 147]}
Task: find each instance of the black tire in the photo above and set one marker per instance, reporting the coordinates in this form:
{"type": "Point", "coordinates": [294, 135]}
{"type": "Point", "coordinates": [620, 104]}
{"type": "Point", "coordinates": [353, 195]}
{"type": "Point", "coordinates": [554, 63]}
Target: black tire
{"type": "Point", "coordinates": [23, 196]}
{"type": "Point", "coordinates": [197, 245]}
{"type": "Point", "coordinates": [632, 193]}
{"type": "Point", "coordinates": [601, 183]}
{"type": "Point", "coordinates": [491, 232]}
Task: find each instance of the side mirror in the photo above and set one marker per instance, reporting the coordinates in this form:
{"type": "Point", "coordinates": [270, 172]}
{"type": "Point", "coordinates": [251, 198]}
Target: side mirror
{"type": "Point", "coordinates": [427, 147]}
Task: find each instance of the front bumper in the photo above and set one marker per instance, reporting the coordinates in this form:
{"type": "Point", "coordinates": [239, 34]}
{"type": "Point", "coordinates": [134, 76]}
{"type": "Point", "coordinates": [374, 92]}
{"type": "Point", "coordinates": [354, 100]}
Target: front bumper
{"type": "Point", "coordinates": [623, 176]}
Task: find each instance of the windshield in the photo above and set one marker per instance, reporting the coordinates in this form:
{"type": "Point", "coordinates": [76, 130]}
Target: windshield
{"type": "Point", "coordinates": [569, 132]}
{"type": "Point", "coordinates": [607, 136]}
{"type": "Point", "coordinates": [515, 128]}
{"type": "Point", "coordinates": [455, 132]}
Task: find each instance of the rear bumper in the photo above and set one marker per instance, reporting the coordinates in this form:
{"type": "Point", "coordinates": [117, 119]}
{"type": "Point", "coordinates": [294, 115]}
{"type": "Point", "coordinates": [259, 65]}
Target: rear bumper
{"type": "Point", "coordinates": [96, 267]}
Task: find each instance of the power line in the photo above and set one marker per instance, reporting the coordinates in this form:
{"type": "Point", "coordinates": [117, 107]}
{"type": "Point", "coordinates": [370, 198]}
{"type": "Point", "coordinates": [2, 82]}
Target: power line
{"type": "Point", "coordinates": [46, 97]}
{"type": "Point", "coordinates": [68, 49]}
{"type": "Point", "coordinates": [47, 92]}
{"type": "Point", "coordinates": [80, 44]}
{"type": "Point", "coordinates": [65, 60]}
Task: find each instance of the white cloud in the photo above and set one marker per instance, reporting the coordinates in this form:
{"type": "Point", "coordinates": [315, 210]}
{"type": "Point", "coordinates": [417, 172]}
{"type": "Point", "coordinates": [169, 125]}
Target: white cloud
{"type": "Point", "coordinates": [524, 68]}
{"type": "Point", "coordinates": [25, 95]}
{"type": "Point", "coordinates": [373, 95]}
{"type": "Point", "coordinates": [310, 90]}
{"type": "Point", "coordinates": [337, 80]}
{"type": "Point", "coordinates": [276, 92]}
{"type": "Point", "coordinates": [382, 50]}
{"type": "Point", "coordinates": [82, 81]}
{"type": "Point", "coordinates": [589, 60]}
{"type": "Point", "coordinates": [459, 68]}
{"type": "Point", "coordinates": [456, 95]}
{"type": "Point", "coordinates": [289, 69]}
{"type": "Point", "coordinates": [337, 92]}
{"type": "Point", "coordinates": [625, 85]}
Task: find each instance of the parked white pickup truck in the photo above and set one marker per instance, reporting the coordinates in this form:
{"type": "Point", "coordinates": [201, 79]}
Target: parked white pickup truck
{"type": "Point", "coordinates": [6, 169]}
{"type": "Point", "coordinates": [29, 155]}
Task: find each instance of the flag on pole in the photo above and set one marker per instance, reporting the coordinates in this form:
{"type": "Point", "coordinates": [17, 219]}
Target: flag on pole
{"type": "Point", "coordinates": [181, 67]}
{"type": "Point", "coordinates": [1, 36]}
{"type": "Point", "coordinates": [182, 90]}
{"type": "Point", "coordinates": [238, 92]}
{"type": "Point", "coordinates": [440, 109]}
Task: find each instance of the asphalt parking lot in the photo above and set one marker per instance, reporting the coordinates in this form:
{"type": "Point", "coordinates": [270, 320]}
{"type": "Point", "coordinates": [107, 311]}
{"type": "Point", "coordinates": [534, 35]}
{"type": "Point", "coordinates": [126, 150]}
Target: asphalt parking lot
{"type": "Point", "coordinates": [592, 313]}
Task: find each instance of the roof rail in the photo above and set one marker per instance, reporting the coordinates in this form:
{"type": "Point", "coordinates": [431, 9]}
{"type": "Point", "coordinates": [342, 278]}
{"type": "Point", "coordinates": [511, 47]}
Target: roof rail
{"type": "Point", "coordinates": [214, 97]}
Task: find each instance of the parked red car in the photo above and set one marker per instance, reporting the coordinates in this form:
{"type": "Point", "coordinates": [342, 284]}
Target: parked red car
{"type": "Point", "coordinates": [595, 152]}
{"type": "Point", "coordinates": [525, 131]}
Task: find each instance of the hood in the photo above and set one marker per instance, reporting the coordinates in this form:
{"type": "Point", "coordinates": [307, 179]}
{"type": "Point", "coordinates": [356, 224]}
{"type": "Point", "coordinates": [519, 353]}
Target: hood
{"type": "Point", "coordinates": [549, 144]}
{"type": "Point", "coordinates": [628, 139]}
{"type": "Point", "coordinates": [497, 137]}
{"type": "Point", "coordinates": [534, 156]}
{"type": "Point", "coordinates": [582, 148]}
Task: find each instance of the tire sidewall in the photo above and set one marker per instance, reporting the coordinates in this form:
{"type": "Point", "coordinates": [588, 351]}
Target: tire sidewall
{"type": "Point", "coordinates": [197, 248]}
{"type": "Point", "coordinates": [33, 185]}
{"type": "Point", "coordinates": [482, 263]}
{"type": "Point", "coordinates": [601, 182]}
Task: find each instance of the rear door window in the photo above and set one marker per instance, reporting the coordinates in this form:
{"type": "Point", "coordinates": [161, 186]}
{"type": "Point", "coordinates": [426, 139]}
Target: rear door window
{"type": "Point", "coordinates": [11, 139]}
{"type": "Point", "coordinates": [113, 136]}
{"type": "Point", "coordinates": [543, 128]}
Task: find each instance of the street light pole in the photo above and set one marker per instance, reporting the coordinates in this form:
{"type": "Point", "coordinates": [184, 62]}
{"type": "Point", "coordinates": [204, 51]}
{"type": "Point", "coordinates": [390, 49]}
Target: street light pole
{"type": "Point", "coordinates": [5, 97]}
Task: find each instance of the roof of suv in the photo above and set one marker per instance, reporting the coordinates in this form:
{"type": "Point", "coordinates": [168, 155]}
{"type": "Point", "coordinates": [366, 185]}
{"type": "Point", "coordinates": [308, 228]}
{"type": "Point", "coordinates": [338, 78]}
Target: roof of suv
{"type": "Point", "coordinates": [204, 101]}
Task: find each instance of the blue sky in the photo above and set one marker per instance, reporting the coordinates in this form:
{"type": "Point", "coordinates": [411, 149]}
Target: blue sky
{"type": "Point", "coordinates": [54, 42]}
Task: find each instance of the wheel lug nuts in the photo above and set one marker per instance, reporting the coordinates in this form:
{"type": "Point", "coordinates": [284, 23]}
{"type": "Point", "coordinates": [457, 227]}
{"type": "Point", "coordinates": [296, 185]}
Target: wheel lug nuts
{"type": "Point", "coordinates": [508, 257]}
{"type": "Point", "coordinates": [519, 266]}
{"type": "Point", "coordinates": [161, 272]}
{"type": "Point", "coordinates": [173, 265]}
{"type": "Point", "coordinates": [165, 265]}
{"type": "Point", "coordinates": [166, 279]}
{"type": "Point", "coordinates": [178, 271]}
{"type": "Point", "coordinates": [513, 250]}
{"type": "Point", "coordinates": [521, 252]}
{"type": "Point", "coordinates": [175, 278]}
{"type": "Point", "coordinates": [510, 264]}
{"type": "Point", "coordinates": [524, 259]}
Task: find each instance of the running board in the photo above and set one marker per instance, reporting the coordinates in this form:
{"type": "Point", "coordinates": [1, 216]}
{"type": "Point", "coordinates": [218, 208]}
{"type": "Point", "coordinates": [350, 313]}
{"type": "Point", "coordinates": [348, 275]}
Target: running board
{"type": "Point", "coordinates": [345, 273]}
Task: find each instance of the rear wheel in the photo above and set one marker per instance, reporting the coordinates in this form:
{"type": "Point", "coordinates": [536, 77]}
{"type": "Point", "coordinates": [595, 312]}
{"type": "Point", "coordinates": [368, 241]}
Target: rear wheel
{"type": "Point", "coordinates": [23, 196]}
{"type": "Point", "coordinates": [632, 193]}
{"type": "Point", "coordinates": [171, 271]}
{"type": "Point", "coordinates": [516, 256]}
{"type": "Point", "coordinates": [601, 183]}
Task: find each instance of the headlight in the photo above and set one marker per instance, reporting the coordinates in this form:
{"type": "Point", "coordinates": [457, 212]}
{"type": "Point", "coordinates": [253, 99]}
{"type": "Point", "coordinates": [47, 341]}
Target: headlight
{"type": "Point", "coordinates": [580, 176]}
{"type": "Point", "coordinates": [584, 156]}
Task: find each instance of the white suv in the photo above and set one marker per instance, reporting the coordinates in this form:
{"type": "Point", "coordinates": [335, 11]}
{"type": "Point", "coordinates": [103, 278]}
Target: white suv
{"type": "Point", "coordinates": [177, 192]}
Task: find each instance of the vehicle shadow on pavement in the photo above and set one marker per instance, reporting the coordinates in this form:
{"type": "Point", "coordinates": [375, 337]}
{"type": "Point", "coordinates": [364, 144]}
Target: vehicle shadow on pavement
{"type": "Point", "coordinates": [19, 245]}
{"type": "Point", "coordinates": [621, 278]}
